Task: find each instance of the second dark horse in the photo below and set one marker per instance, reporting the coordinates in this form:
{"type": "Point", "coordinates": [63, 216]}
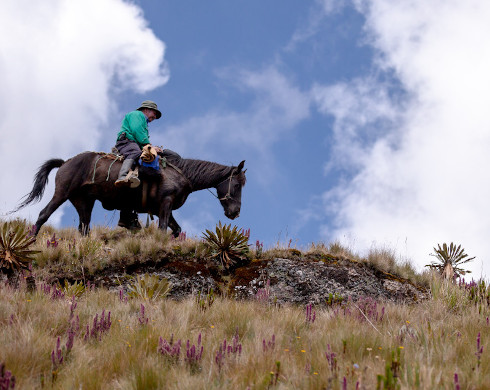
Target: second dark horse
{"type": "Point", "coordinates": [90, 176]}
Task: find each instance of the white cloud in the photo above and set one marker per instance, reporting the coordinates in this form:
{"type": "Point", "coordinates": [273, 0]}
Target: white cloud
{"type": "Point", "coordinates": [60, 64]}
{"type": "Point", "coordinates": [276, 108]}
{"type": "Point", "coordinates": [316, 16]}
{"type": "Point", "coordinates": [363, 112]}
{"type": "Point", "coordinates": [422, 181]}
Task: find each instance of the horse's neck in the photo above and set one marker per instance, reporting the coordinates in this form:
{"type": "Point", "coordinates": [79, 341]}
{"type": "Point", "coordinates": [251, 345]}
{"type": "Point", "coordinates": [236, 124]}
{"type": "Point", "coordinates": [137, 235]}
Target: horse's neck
{"type": "Point", "coordinates": [204, 174]}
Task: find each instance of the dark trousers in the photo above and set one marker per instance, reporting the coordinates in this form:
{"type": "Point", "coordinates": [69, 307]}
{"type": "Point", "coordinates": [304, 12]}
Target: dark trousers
{"type": "Point", "coordinates": [128, 148]}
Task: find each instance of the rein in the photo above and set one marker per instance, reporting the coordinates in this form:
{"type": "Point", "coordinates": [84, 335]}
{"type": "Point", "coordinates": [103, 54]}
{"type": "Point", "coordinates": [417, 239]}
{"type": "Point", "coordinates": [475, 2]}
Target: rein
{"type": "Point", "coordinates": [164, 162]}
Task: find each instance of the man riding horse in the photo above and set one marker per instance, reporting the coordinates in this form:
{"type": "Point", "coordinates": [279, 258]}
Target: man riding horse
{"type": "Point", "coordinates": [88, 177]}
{"type": "Point", "coordinates": [131, 139]}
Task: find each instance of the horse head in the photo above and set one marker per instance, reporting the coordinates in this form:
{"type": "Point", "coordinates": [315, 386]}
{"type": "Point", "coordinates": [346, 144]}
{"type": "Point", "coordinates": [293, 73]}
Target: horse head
{"type": "Point", "coordinates": [230, 191]}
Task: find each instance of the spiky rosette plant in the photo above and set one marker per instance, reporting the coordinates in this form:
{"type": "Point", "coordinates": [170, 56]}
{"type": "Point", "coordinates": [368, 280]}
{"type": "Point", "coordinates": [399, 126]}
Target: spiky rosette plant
{"type": "Point", "coordinates": [14, 247]}
{"type": "Point", "coordinates": [72, 290]}
{"type": "Point", "coordinates": [228, 245]}
{"type": "Point", "coordinates": [449, 260]}
{"type": "Point", "coordinates": [149, 287]}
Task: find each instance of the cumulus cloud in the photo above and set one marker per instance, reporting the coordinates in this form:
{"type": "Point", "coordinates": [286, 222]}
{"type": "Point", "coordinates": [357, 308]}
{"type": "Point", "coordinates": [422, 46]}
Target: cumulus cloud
{"type": "Point", "coordinates": [363, 112]}
{"type": "Point", "coordinates": [61, 64]}
{"type": "Point", "coordinates": [421, 180]}
{"type": "Point", "coordinates": [276, 108]}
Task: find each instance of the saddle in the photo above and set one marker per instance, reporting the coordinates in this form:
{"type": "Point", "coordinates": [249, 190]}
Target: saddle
{"type": "Point", "coordinates": [150, 162]}
{"type": "Point", "coordinates": [149, 171]}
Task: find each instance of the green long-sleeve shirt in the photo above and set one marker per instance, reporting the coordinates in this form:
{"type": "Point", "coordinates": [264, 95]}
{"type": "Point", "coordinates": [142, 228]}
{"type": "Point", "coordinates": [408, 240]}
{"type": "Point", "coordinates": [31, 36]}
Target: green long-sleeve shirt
{"type": "Point", "coordinates": [136, 128]}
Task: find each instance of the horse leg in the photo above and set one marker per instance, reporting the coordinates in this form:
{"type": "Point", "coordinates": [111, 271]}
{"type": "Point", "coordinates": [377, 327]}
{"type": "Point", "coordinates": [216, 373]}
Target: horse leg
{"type": "Point", "coordinates": [46, 212]}
{"type": "Point", "coordinates": [165, 213]}
{"type": "Point", "coordinates": [84, 207]}
{"type": "Point", "coordinates": [129, 219]}
{"type": "Point", "coordinates": [172, 224]}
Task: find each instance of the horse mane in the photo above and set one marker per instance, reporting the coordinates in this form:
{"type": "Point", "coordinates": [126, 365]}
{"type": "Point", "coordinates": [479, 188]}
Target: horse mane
{"type": "Point", "coordinates": [200, 171]}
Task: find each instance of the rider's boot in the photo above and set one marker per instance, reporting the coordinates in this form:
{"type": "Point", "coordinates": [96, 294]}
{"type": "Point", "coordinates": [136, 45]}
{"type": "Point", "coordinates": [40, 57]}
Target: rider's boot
{"type": "Point", "coordinates": [126, 176]}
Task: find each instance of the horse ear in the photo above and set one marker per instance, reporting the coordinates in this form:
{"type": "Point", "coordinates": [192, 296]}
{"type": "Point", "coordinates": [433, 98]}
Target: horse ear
{"type": "Point", "coordinates": [240, 166]}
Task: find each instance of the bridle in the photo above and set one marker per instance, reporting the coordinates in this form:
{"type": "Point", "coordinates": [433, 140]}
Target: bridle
{"type": "Point", "coordinates": [228, 194]}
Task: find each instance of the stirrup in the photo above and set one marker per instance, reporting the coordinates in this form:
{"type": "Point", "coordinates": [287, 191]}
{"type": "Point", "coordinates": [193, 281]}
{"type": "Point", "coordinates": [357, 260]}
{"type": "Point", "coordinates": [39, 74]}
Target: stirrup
{"type": "Point", "coordinates": [122, 182]}
{"type": "Point", "coordinates": [132, 178]}
{"type": "Point", "coordinates": [133, 182]}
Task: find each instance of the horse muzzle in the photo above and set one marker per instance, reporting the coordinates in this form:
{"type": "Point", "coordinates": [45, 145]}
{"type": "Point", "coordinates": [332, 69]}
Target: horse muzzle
{"type": "Point", "coordinates": [232, 215]}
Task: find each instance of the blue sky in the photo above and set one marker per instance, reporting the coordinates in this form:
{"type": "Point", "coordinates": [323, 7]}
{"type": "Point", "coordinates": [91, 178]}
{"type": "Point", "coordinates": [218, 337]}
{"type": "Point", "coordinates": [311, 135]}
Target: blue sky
{"type": "Point", "coordinates": [363, 121]}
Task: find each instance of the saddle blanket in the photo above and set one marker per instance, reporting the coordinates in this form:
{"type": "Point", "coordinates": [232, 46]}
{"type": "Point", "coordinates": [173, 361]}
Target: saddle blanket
{"type": "Point", "coordinates": [155, 164]}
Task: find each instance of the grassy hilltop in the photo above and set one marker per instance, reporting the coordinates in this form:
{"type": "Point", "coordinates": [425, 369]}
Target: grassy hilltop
{"type": "Point", "coordinates": [95, 313]}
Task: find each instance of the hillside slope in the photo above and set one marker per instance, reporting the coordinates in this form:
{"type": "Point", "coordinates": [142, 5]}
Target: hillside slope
{"type": "Point", "coordinates": [295, 278]}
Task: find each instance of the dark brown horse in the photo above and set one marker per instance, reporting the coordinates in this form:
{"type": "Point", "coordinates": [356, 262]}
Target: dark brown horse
{"type": "Point", "coordinates": [90, 176]}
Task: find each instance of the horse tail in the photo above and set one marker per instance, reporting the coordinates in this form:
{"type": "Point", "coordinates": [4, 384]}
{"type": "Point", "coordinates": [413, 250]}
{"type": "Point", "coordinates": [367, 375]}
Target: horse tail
{"type": "Point", "coordinates": [40, 181]}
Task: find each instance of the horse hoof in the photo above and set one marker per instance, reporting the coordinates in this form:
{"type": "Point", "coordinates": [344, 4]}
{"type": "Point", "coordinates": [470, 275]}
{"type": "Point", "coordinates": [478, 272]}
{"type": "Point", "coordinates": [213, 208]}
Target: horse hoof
{"type": "Point", "coordinates": [133, 225]}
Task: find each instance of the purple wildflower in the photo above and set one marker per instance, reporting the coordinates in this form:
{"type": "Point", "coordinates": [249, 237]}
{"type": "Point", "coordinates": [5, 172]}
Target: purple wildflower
{"type": "Point", "coordinates": [7, 380]}
{"type": "Point", "coordinates": [169, 349]}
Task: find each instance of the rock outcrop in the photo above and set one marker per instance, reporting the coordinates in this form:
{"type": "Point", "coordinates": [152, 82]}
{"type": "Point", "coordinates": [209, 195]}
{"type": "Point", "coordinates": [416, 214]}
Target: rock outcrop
{"type": "Point", "coordinates": [297, 280]}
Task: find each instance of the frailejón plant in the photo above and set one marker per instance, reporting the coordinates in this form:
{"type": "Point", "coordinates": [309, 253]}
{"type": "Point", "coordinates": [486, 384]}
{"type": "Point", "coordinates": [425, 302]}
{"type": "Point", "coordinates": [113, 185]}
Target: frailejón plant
{"type": "Point", "coordinates": [14, 247]}
{"type": "Point", "coordinates": [449, 258]}
{"type": "Point", "coordinates": [72, 290]}
{"type": "Point", "coordinates": [229, 245]}
{"type": "Point", "coordinates": [148, 287]}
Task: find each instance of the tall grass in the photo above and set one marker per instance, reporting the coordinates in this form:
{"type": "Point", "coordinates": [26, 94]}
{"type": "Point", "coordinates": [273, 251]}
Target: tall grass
{"type": "Point", "coordinates": [419, 346]}
{"type": "Point", "coordinates": [439, 343]}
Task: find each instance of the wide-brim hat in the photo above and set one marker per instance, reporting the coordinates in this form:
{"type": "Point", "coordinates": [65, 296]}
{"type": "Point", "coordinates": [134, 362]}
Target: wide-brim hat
{"type": "Point", "coordinates": [151, 105]}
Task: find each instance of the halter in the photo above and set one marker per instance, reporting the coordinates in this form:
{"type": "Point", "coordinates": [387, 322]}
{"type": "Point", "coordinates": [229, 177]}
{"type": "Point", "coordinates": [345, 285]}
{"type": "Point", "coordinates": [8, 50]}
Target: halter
{"type": "Point", "coordinates": [228, 194]}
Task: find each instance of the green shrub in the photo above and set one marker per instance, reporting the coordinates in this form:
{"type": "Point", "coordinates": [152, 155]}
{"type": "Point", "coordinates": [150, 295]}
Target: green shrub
{"type": "Point", "coordinates": [205, 301]}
